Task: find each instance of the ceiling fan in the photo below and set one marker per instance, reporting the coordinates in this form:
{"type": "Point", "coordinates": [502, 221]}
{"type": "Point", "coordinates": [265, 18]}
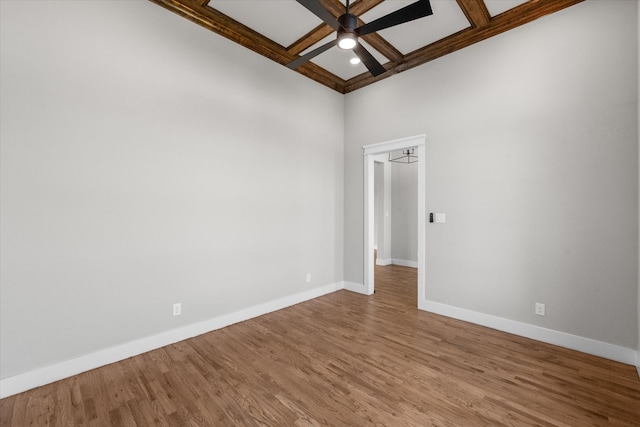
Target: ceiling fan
{"type": "Point", "coordinates": [348, 32]}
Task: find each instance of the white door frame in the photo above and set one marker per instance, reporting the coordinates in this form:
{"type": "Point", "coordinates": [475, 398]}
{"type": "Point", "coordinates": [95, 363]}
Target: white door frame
{"type": "Point", "coordinates": [370, 151]}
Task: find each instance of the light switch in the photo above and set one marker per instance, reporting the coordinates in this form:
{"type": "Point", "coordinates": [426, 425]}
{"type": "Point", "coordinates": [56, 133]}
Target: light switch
{"type": "Point", "coordinates": [440, 217]}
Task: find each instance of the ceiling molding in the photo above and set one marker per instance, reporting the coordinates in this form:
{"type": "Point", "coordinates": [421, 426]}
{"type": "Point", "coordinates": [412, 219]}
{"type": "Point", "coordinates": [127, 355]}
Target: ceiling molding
{"type": "Point", "coordinates": [482, 26]}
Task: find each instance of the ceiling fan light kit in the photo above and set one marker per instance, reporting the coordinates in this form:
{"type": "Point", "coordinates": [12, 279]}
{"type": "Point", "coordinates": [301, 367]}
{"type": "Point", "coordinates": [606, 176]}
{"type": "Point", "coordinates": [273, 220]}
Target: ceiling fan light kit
{"type": "Point", "coordinates": [347, 41]}
{"type": "Point", "coordinates": [347, 38]}
{"type": "Point", "coordinates": [348, 32]}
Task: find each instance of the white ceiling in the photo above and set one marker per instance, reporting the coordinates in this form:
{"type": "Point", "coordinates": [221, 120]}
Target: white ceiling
{"type": "Point", "coordinates": [285, 21]}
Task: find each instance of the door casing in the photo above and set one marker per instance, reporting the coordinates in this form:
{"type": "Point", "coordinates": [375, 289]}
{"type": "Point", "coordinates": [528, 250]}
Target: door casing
{"type": "Point", "coordinates": [370, 151]}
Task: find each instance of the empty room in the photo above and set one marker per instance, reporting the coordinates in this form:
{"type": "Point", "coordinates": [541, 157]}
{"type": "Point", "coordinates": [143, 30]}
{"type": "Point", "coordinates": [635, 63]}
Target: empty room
{"type": "Point", "coordinates": [200, 224]}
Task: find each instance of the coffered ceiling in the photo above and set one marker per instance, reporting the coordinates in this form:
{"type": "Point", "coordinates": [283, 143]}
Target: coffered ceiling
{"type": "Point", "coordinates": [282, 30]}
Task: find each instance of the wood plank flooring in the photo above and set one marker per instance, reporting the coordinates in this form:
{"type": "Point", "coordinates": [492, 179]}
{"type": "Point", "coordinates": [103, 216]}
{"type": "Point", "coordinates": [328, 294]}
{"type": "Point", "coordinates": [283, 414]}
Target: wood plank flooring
{"type": "Point", "coordinates": [344, 360]}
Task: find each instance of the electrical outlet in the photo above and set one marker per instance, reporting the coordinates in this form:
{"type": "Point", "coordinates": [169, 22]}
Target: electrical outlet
{"type": "Point", "coordinates": [308, 277]}
{"type": "Point", "coordinates": [539, 309]}
{"type": "Point", "coordinates": [177, 309]}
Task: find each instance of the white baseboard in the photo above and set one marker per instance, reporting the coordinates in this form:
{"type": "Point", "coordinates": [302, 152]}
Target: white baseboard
{"type": "Point", "coordinates": [356, 287]}
{"type": "Point", "coordinates": [638, 362]}
{"type": "Point", "coordinates": [39, 377]}
{"type": "Point", "coordinates": [404, 263]}
{"type": "Point", "coordinates": [562, 339]}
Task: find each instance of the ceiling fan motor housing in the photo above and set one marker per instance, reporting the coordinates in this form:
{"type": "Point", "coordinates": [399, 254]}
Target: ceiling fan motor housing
{"type": "Point", "coordinates": [348, 22]}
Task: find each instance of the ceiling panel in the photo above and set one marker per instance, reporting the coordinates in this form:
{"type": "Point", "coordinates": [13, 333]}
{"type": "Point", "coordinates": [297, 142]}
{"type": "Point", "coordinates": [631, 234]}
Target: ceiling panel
{"type": "Point", "coordinates": [496, 7]}
{"type": "Point", "coordinates": [283, 21]}
{"type": "Point", "coordinates": [447, 19]}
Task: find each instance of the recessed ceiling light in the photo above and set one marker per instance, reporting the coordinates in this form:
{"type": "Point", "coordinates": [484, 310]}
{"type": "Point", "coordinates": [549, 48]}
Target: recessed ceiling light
{"type": "Point", "coordinates": [355, 60]}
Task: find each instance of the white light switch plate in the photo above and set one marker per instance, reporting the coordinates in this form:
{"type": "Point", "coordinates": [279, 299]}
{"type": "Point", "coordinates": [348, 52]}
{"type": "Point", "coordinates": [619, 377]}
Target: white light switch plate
{"type": "Point", "coordinates": [440, 217]}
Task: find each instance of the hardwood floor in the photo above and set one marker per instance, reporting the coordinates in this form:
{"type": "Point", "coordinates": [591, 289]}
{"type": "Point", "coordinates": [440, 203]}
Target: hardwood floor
{"type": "Point", "coordinates": [344, 360]}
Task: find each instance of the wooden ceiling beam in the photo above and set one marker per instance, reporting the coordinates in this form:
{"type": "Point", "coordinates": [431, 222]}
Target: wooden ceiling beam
{"type": "Point", "coordinates": [225, 26]}
{"type": "Point", "coordinates": [335, 8]}
{"type": "Point", "coordinates": [506, 21]}
{"type": "Point", "coordinates": [483, 26]}
{"type": "Point", "coordinates": [384, 47]}
{"type": "Point", "coordinates": [309, 39]}
{"type": "Point", "coordinates": [476, 12]}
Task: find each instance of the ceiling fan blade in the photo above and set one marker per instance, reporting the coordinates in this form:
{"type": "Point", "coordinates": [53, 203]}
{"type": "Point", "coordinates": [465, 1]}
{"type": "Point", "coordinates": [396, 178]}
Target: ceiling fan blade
{"type": "Point", "coordinates": [315, 52]}
{"type": "Point", "coordinates": [317, 9]}
{"type": "Point", "coordinates": [368, 60]}
{"type": "Point", "coordinates": [416, 10]}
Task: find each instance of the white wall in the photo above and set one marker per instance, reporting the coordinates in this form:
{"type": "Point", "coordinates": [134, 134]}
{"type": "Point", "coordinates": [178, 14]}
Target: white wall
{"type": "Point", "coordinates": [147, 161]}
{"type": "Point", "coordinates": [404, 213]}
{"type": "Point", "coordinates": [532, 153]}
{"type": "Point", "coordinates": [382, 201]}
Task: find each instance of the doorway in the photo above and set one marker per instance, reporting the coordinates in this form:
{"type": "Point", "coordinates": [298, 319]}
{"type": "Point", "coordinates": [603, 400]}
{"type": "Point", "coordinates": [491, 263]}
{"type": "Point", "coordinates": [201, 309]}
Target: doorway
{"type": "Point", "coordinates": [370, 151]}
